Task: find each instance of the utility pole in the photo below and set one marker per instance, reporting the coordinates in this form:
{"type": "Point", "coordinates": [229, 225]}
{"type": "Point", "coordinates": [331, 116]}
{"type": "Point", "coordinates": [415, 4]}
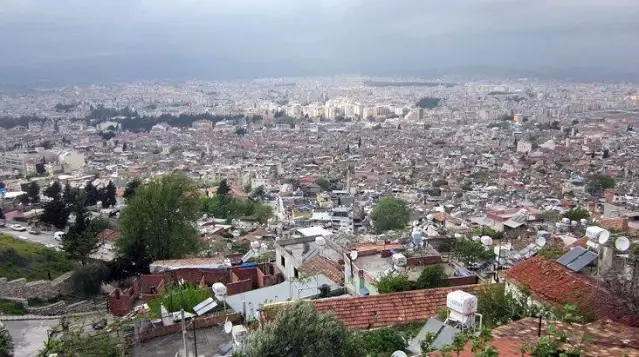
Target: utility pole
{"type": "Point", "coordinates": [186, 352]}
{"type": "Point", "coordinates": [194, 338]}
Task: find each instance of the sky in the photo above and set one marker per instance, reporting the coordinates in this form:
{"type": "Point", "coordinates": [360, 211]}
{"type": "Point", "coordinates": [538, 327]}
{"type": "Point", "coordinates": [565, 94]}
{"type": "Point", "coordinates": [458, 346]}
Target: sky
{"type": "Point", "coordinates": [252, 38]}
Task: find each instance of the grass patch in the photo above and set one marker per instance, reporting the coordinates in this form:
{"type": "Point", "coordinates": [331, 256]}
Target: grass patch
{"type": "Point", "coordinates": [21, 259]}
{"type": "Point", "coordinates": [8, 307]}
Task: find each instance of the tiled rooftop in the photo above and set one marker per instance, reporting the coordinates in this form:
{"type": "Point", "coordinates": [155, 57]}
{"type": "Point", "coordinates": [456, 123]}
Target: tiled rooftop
{"type": "Point", "coordinates": [554, 284]}
{"type": "Point", "coordinates": [390, 309]}
{"type": "Point", "coordinates": [321, 265]}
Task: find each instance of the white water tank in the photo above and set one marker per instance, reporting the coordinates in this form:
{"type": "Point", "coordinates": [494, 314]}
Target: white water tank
{"type": "Point", "coordinates": [487, 241]}
{"type": "Point", "coordinates": [593, 233]}
{"type": "Point", "coordinates": [565, 220]}
{"type": "Point", "coordinates": [320, 241]}
{"type": "Point", "coordinates": [255, 246]}
{"type": "Point", "coordinates": [462, 302]}
{"type": "Point", "coordinates": [476, 238]}
{"type": "Point", "coordinates": [219, 290]}
{"type": "Point", "coordinates": [399, 260]}
{"type": "Point", "coordinates": [584, 221]}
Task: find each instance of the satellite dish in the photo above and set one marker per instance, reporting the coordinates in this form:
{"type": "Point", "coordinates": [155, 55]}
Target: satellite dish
{"type": "Point", "coordinates": [353, 254]}
{"type": "Point", "coordinates": [399, 354]}
{"type": "Point", "coordinates": [604, 237]}
{"type": "Point", "coordinates": [541, 241]}
{"type": "Point", "coordinates": [622, 244]}
{"type": "Point", "coordinates": [228, 326]}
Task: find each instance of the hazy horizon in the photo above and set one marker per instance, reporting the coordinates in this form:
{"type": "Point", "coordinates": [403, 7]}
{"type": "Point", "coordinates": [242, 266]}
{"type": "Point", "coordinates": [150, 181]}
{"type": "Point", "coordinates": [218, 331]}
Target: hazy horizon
{"type": "Point", "coordinates": [79, 41]}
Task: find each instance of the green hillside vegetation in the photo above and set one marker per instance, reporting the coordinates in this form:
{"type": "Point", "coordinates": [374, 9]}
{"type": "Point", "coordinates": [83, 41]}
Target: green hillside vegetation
{"type": "Point", "coordinates": [20, 259]}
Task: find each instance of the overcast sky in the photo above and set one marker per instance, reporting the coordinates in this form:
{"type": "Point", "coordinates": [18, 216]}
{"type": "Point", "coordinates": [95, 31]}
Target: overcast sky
{"type": "Point", "coordinates": [350, 36]}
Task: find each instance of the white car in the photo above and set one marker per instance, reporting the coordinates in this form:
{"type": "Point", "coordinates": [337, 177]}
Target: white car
{"type": "Point", "coordinates": [17, 227]}
{"type": "Point", "coordinates": [23, 237]}
{"type": "Point", "coordinates": [50, 246]}
{"type": "Point", "coordinates": [58, 235]}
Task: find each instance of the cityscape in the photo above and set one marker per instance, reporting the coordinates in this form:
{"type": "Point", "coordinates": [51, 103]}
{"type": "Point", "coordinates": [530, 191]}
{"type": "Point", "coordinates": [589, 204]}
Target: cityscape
{"type": "Point", "coordinates": [319, 179]}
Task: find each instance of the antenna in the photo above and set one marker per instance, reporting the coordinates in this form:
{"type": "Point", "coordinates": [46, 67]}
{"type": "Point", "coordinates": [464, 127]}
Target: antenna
{"type": "Point", "coordinates": [622, 244]}
{"type": "Point", "coordinates": [604, 237]}
{"type": "Point", "coordinates": [399, 354]}
{"type": "Point", "coordinates": [541, 241]}
{"type": "Point", "coordinates": [228, 326]}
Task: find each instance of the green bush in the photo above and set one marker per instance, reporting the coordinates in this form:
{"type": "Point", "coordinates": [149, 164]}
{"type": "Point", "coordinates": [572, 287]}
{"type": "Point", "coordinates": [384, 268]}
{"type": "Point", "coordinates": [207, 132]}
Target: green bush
{"type": "Point", "coordinates": [88, 279]}
{"type": "Point", "coordinates": [393, 283]}
{"type": "Point", "coordinates": [382, 342]}
{"type": "Point", "coordinates": [9, 307]}
{"type": "Point", "coordinates": [178, 298]}
{"type": "Point", "coordinates": [6, 342]}
{"type": "Point", "coordinates": [433, 276]}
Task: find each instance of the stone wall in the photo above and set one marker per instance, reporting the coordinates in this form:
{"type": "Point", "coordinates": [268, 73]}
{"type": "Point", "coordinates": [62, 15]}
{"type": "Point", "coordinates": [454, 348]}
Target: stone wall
{"type": "Point", "coordinates": [62, 308]}
{"type": "Point", "coordinates": [41, 289]}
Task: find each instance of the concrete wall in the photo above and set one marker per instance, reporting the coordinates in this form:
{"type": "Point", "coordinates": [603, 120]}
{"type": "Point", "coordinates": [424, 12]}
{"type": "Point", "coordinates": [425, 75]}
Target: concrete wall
{"type": "Point", "coordinates": [619, 224]}
{"type": "Point", "coordinates": [62, 308]}
{"type": "Point", "coordinates": [421, 261]}
{"type": "Point", "coordinates": [41, 289]}
{"type": "Point", "coordinates": [199, 323]}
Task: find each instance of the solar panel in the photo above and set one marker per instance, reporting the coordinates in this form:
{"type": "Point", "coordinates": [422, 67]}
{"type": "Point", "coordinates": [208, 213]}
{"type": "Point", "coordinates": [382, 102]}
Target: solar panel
{"type": "Point", "coordinates": [583, 261]}
{"type": "Point", "coordinates": [433, 326]}
{"type": "Point", "coordinates": [571, 256]}
{"type": "Point", "coordinates": [309, 254]}
{"type": "Point", "coordinates": [445, 337]}
{"type": "Point", "coordinates": [248, 256]}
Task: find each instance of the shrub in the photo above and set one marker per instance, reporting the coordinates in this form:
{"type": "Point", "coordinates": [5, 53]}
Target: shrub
{"type": "Point", "coordinates": [179, 297]}
{"type": "Point", "coordinates": [88, 279]}
{"type": "Point", "coordinates": [6, 342]}
{"type": "Point", "coordinates": [382, 341]}
{"type": "Point", "coordinates": [392, 283]}
{"type": "Point", "coordinates": [10, 307]}
{"type": "Point", "coordinates": [433, 276]}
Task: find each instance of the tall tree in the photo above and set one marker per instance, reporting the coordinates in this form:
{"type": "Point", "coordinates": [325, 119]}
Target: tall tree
{"type": "Point", "coordinates": [131, 188]}
{"type": "Point", "coordinates": [108, 197]}
{"type": "Point", "coordinates": [223, 189]}
{"type": "Point", "coordinates": [53, 191]}
{"type": "Point", "coordinates": [56, 213]}
{"type": "Point", "coordinates": [82, 238]}
{"type": "Point", "coordinates": [390, 213]}
{"type": "Point", "coordinates": [92, 194]}
{"type": "Point", "coordinates": [33, 192]}
{"type": "Point", "coordinates": [159, 222]}
{"type": "Point", "coordinates": [299, 330]}
{"type": "Point", "coordinates": [67, 193]}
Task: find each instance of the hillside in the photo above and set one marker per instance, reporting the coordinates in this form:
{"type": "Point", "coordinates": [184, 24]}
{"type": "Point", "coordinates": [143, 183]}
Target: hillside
{"type": "Point", "coordinates": [22, 259]}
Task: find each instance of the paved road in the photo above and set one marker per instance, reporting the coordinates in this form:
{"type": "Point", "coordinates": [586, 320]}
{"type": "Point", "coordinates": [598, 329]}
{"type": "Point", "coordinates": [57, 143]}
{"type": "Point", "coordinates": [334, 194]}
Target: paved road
{"type": "Point", "coordinates": [29, 336]}
{"type": "Point", "coordinates": [43, 238]}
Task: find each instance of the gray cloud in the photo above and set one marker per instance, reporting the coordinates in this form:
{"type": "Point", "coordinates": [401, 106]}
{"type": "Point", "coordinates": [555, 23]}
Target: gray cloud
{"type": "Point", "coordinates": [339, 34]}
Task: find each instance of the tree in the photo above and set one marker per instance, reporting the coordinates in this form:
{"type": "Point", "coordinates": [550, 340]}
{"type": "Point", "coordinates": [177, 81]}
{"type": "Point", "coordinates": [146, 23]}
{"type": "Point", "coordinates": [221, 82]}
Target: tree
{"type": "Point", "coordinates": [428, 102]}
{"type": "Point", "coordinates": [299, 330]}
{"type": "Point", "coordinates": [390, 213]}
{"type": "Point", "coordinates": [598, 183]}
{"type": "Point", "coordinates": [55, 213]}
{"type": "Point", "coordinates": [33, 192]}
{"type": "Point", "coordinates": [108, 196]}
{"type": "Point", "coordinates": [323, 183]}
{"type": "Point", "coordinates": [131, 188]}
{"type": "Point", "coordinates": [87, 280]}
{"type": "Point", "coordinates": [54, 191]}
{"type": "Point", "coordinates": [433, 276]}
{"type": "Point", "coordinates": [159, 222]}
{"type": "Point", "coordinates": [78, 340]}
{"type": "Point", "coordinates": [606, 154]}
{"type": "Point", "coordinates": [393, 283]}
{"type": "Point", "coordinates": [223, 189]}
{"type": "Point", "coordinates": [471, 252]}
{"type": "Point", "coordinates": [68, 193]}
{"type": "Point", "coordinates": [92, 195]}
{"type": "Point", "coordinates": [577, 214]}
{"type": "Point", "coordinates": [82, 238]}
{"type": "Point", "coordinates": [6, 342]}
{"type": "Point", "coordinates": [259, 193]}
{"type": "Point", "coordinates": [263, 213]}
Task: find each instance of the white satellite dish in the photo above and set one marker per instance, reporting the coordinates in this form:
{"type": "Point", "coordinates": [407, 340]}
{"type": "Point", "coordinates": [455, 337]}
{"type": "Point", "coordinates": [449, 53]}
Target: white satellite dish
{"type": "Point", "coordinates": [604, 237]}
{"type": "Point", "coordinates": [353, 254]}
{"type": "Point", "coordinates": [622, 244]}
{"type": "Point", "coordinates": [399, 354]}
{"type": "Point", "coordinates": [228, 326]}
{"type": "Point", "coordinates": [541, 241]}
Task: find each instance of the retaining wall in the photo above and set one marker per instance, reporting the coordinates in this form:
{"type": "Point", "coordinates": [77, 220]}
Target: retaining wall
{"type": "Point", "coordinates": [40, 289]}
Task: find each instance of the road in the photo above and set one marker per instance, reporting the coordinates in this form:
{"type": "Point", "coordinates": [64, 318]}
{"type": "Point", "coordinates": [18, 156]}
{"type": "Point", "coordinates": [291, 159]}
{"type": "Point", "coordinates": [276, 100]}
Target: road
{"type": "Point", "coordinates": [43, 238]}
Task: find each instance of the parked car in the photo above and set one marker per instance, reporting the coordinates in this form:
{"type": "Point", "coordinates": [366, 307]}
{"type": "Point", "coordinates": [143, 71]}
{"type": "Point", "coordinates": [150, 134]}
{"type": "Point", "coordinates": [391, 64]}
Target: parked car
{"type": "Point", "coordinates": [33, 231]}
{"type": "Point", "coordinates": [18, 228]}
{"type": "Point", "coordinates": [58, 235]}
{"type": "Point", "coordinates": [23, 237]}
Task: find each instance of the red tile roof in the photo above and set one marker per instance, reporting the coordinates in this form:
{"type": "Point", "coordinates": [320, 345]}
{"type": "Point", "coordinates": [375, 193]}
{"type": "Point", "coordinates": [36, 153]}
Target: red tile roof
{"type": "Point", "coordinates": [321, 265]}
{"type": "Point", "coordinates": [551, 283]}
{"type": "Point", "coordinates": [109, 234]}
{"type": "Point", "coordinates": [390, 309]}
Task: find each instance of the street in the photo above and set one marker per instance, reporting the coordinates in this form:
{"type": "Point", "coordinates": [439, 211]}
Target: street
{"type": "Point", "coordinates": [43, 238]}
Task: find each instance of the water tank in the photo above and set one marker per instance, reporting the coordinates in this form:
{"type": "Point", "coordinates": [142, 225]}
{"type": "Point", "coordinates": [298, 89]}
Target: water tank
{"type": "Point", "coordinates": [584, 221]}
{"type": "Point", "coordinates": [565, 220]}
{"type": "Point", "coordinates": [320, 241]}
{"type": "Point", "coordinates": [486, 240]}
{"type": "Point", "coordinates": [573, 223]}
{"type": "Point", "coordinates": [219, 290]}
{"type": "Point", "coordinates": [476, 238]}
{"type": "Point", "coordinates": [255, 246]}
{"type": "Point", "coordinates": [593, 232]}
{"type": "Point", "coordinates": [399, 260]}
{"type": "Point", "coordinates": [462, 302]}
{"type": "Point", "coordinates": [417, 238]}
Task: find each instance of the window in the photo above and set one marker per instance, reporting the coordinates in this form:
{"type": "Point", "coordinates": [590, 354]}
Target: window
{"type": "Point", "coordinates": [296, 273]}
{"type": "Point", "coordinates": [282, 261]}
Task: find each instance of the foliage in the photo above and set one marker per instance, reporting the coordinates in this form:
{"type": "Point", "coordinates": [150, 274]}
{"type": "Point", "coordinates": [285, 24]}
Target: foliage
{"type": "Point", "coordinates": [433, 276]}
{"type": "Point", "coordinates": [598, 183]}
{"type": "Point", "coordinates": [223, 189]}
{"type": "Point", "coordinates": [428, 102]}
{"type": "Point", "coordinates": [470, 252]}
{"type": "Point", "coordinates": [108, 195]}
{"type": "Point", "coordinates": [55, 213]}
{"type": "Point", "coordinates": [6, 342]}
{"type": "Point", "coordinates": [576, 214]}
{"type": "Point", "coordinates": [68, 193]}
{"type": "Point", "coordinates": [76, 340]}
{"type": "Point", "coordinates": [179, 297]}
{"type": "Point", "coordinates": [33, 192]}
{"type": "Point", "coordinates": [323, 183]}
{"type": "Point", "coordinates": [300, 330]}
{"type": "Point", "coordinates": [87, 280]}
{"type": "Point", "coordinates": [10, 307]}
{"type": "Point", "coordinates": [381, 342]}
{"type": "Point", "coordinates": [259, 193]}
{"type": "Point", "coordinates": [54, 191]}
{"type": "Point", "coordinates": [393, 283]}
{"type": "Point", "coordinates": [229, 207]}
{"type": "Point", "coordinates": [440, 183]}
{"type": "Point", "coordinates": [550, 252]}
{"type": "Point", "coordinates": [159, 222]}
{"type": "Point", "coordinates": [131, 188]}
{"type": "Point", "coordinates": [82, 238]}
{"type": "Point", "coordinates": [22, 259]}
{"type": "Point", "coordinates": [390, 213]}
{"type": "Point", "coordinates": [499, 307]}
